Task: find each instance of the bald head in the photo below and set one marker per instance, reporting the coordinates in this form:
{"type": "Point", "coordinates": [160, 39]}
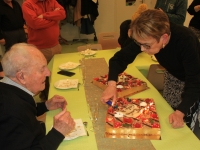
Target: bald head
{"type": "Point", "coordinates": [21, 56]}
{"type": "Point", "coordinates": [27, 66]}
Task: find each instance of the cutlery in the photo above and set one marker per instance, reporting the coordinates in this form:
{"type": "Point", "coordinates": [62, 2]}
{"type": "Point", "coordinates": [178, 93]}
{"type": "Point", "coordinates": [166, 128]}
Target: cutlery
{"type": "Point", "coordinates": [78, 86]}
{"type": "Point", "coordinates": [85, 124]}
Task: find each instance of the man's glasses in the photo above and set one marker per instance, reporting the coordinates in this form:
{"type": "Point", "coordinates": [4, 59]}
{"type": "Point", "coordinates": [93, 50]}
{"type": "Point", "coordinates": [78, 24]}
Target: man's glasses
{"type": "Point", "coordinates": [143, 45]}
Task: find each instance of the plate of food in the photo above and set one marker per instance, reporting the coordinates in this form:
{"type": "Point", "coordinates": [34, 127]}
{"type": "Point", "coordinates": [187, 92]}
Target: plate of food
{"type": "Point", "coordinates": [68, 66]}
{"type": "Point", "coordinates": [66, 84]}
{"type": "Point", "coordinates": [88, 52]}
{"type": "Point", "coordinates": [78, 131]}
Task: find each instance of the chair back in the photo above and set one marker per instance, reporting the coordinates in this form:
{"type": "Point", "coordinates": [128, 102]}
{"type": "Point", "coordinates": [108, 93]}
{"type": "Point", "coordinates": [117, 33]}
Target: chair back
{"type": "Point", "coordinates": [108, 40]}
{"type": "Point", "coordinates": [2, 50]}
{"type": "Point", "coordinates": [92, 46]}
{"type": "Point", "coordinates": [156, 76]}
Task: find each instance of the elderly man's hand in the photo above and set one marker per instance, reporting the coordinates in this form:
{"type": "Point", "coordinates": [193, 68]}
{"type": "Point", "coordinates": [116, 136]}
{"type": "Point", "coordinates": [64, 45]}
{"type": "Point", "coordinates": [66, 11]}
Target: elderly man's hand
{"type": "Point", "coordinates": [2, 42]}
{"type": "Point", "coordinates": [40, 16]}
{"type": "Point", "coordinates": [56, 102]}
{"type": "Point", "coordinates": [56, 9]}
{"type": "Point", "coordinates": [63, 122]}
{"type": "Point", "coordinates": [176, 119]}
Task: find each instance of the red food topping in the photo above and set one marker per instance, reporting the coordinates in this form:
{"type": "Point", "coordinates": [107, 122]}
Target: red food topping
{"type": "Point", "coordinates": [110, 110]}
{"type": "Point", "coordinates": [137, 125]}
{"type": "Point", "coordinates": [127, 120]}
{"type": "Point", "coordinates": [117, 124]}
{"type": "Point", "coordinates": [136, 101]}
{"type": "Point", "coordinates": [109, 119]}
{"type": "Point", "coordinates": [119, 90]}
{"type": "Point", "coordinates": [154, 115]}
{"type": "Point", "coordinates": [96, 79]}
{"type": "Point", "coordinates": [156, 125]}
{"type": "Point", "coordinates": [148, 100]}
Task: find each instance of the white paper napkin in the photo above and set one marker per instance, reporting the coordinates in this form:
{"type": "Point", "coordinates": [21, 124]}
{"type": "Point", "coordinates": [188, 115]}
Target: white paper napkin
{"type": "Point", "coordinates": [78, 131]}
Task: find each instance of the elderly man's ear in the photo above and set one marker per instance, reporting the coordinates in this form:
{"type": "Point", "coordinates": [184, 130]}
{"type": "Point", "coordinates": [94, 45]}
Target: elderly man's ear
{"type": "Point", "coordinates": [20, 77]}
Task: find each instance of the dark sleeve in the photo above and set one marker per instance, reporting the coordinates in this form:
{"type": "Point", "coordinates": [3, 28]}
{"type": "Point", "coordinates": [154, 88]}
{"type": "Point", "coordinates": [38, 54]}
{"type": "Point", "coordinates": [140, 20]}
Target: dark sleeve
{"type": "Point", "coordinates": [119, 62]}
{"type": "Point", "coordinates": [191, 62]}
{"type": "Point", "coordinates": [1, 35]}
{"type": "Point", "coordinates": [180, 12]}
{"type": "Point", "coordinates": [26, 135]}
{"type": "Point", "coordinates": [1, 69]}
{"type": "Point", "coordinates": [51, 141]}
{"type": "Point", "coordinates": [41, 108]}
{"type": "Point", "coordinates": [190, 9]}
{"type": "Point", "coordinates": [124, 40]}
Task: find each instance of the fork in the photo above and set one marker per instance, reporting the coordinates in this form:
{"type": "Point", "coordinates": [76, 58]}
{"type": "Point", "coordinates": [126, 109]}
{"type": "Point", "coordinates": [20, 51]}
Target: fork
{"type": "Point", "coordinates": [78, 86]}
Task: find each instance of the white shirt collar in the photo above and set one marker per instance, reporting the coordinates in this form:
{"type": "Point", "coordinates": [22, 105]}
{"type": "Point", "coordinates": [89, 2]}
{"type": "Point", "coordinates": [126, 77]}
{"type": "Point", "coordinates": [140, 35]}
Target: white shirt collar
{"type": "Point", "coordinates": [11, 82]}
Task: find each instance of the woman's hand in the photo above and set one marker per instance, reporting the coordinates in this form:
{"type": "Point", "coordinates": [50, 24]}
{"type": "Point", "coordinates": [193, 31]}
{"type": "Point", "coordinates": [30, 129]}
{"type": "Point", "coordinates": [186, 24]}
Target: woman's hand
{"type": "Point", "coordinates": [176, 119]}
{"type": "Point", "coordinates": [110, 92]}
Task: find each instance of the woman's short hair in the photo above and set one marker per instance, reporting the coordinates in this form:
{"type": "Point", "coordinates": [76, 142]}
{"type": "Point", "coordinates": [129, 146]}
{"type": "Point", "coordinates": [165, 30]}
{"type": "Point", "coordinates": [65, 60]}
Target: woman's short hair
{"type": "Point", "coordinates": [151, 23]}
{"type": "Point", "coordinates": [16, 59]}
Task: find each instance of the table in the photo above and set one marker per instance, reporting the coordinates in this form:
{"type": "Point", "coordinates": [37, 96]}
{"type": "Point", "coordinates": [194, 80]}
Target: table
{"type": "Point", "coordinates": [172, 139]}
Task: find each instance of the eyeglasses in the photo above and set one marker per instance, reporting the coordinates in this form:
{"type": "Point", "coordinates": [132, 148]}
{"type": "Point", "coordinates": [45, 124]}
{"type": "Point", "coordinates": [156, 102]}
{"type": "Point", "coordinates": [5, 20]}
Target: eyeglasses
{"type": "Point", "coordinates": [143, 45]}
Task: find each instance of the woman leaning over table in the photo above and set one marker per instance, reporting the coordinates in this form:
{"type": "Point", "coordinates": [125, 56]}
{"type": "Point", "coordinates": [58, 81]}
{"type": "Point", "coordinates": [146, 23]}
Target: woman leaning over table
{"type": "Point", "coordinates": [194, 9]}
{"type": "Point", "coordinates": [177, 49]}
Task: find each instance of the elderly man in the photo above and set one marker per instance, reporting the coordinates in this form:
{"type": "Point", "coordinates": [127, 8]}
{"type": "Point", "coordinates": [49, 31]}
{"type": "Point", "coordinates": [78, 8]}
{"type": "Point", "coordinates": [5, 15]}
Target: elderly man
{"type": "Point", "coordinates": [42, 18]}
{"type": "Point", "coordinates": [25, 70]}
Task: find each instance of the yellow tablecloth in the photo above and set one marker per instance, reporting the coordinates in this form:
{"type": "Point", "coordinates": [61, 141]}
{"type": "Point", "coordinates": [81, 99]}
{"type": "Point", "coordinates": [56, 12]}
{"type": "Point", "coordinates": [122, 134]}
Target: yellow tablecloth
{"type": "Point", "coordinates": [172, 139]}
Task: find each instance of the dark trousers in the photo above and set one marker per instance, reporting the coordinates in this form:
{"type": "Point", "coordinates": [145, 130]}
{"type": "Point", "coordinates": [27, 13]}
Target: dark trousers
{"type": "Point", "coordinates": [13, 37]}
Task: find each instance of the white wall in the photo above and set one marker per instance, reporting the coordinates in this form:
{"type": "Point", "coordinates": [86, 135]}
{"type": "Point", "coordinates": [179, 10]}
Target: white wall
{"type": "Point", "coordinates": [111, 14]}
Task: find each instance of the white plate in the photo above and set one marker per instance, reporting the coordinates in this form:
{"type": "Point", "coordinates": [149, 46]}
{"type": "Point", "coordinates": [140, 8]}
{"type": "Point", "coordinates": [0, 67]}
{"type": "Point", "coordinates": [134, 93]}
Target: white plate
{"type": "Point", "coordinates": [66, 84]}
{"type": "Point", "coordinates": [68, 66]}
{"type": "Point", "coordinates": [78, 131]}
{"type": "Point", "coordinates": [88, 52]}
{"type": "Point", "coordinates": [153, 58]}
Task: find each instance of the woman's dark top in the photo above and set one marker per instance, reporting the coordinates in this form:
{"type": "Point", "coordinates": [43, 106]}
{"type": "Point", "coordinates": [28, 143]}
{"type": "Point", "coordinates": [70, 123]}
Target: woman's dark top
{"type": "Point", "coordinates": [195, 21]}
{"type": "Point", "coordinates": [124, 39]}
{"type": "Point", "coordinates": [180, 57]}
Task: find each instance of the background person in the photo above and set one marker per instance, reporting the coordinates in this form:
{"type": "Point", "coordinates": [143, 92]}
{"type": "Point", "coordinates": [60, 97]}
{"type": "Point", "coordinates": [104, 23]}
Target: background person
{"type": "Point", "coordinates": [175, 9]}
{"type": "Point", "coordinates": [124, 37]}
{"type": "Point", "coordinates": [25, 70]}
{"type": "Point", "coordinates": [177, 49]}
{"type": "Point", "coordinates": [11, 24]}
{"type": "Point", "coordinates": [194, 9]}
{"type": "Point", "coordinates": [42, 19]}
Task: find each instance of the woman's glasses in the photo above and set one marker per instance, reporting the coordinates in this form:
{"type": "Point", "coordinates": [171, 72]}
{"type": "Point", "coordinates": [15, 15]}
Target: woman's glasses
{"type": "Point", "coordinates": [143, 45]}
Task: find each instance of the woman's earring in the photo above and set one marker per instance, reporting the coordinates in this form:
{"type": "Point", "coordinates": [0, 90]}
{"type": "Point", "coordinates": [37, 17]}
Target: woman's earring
{"type": "Point", "coordinates": [163, 46]}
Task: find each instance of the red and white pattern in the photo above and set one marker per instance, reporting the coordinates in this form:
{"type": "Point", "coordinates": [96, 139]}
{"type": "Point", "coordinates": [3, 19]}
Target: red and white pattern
{"type": "Point", "coordinates": [133, 118]}
{"type": "Point", "coordinates": [126, 85]}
